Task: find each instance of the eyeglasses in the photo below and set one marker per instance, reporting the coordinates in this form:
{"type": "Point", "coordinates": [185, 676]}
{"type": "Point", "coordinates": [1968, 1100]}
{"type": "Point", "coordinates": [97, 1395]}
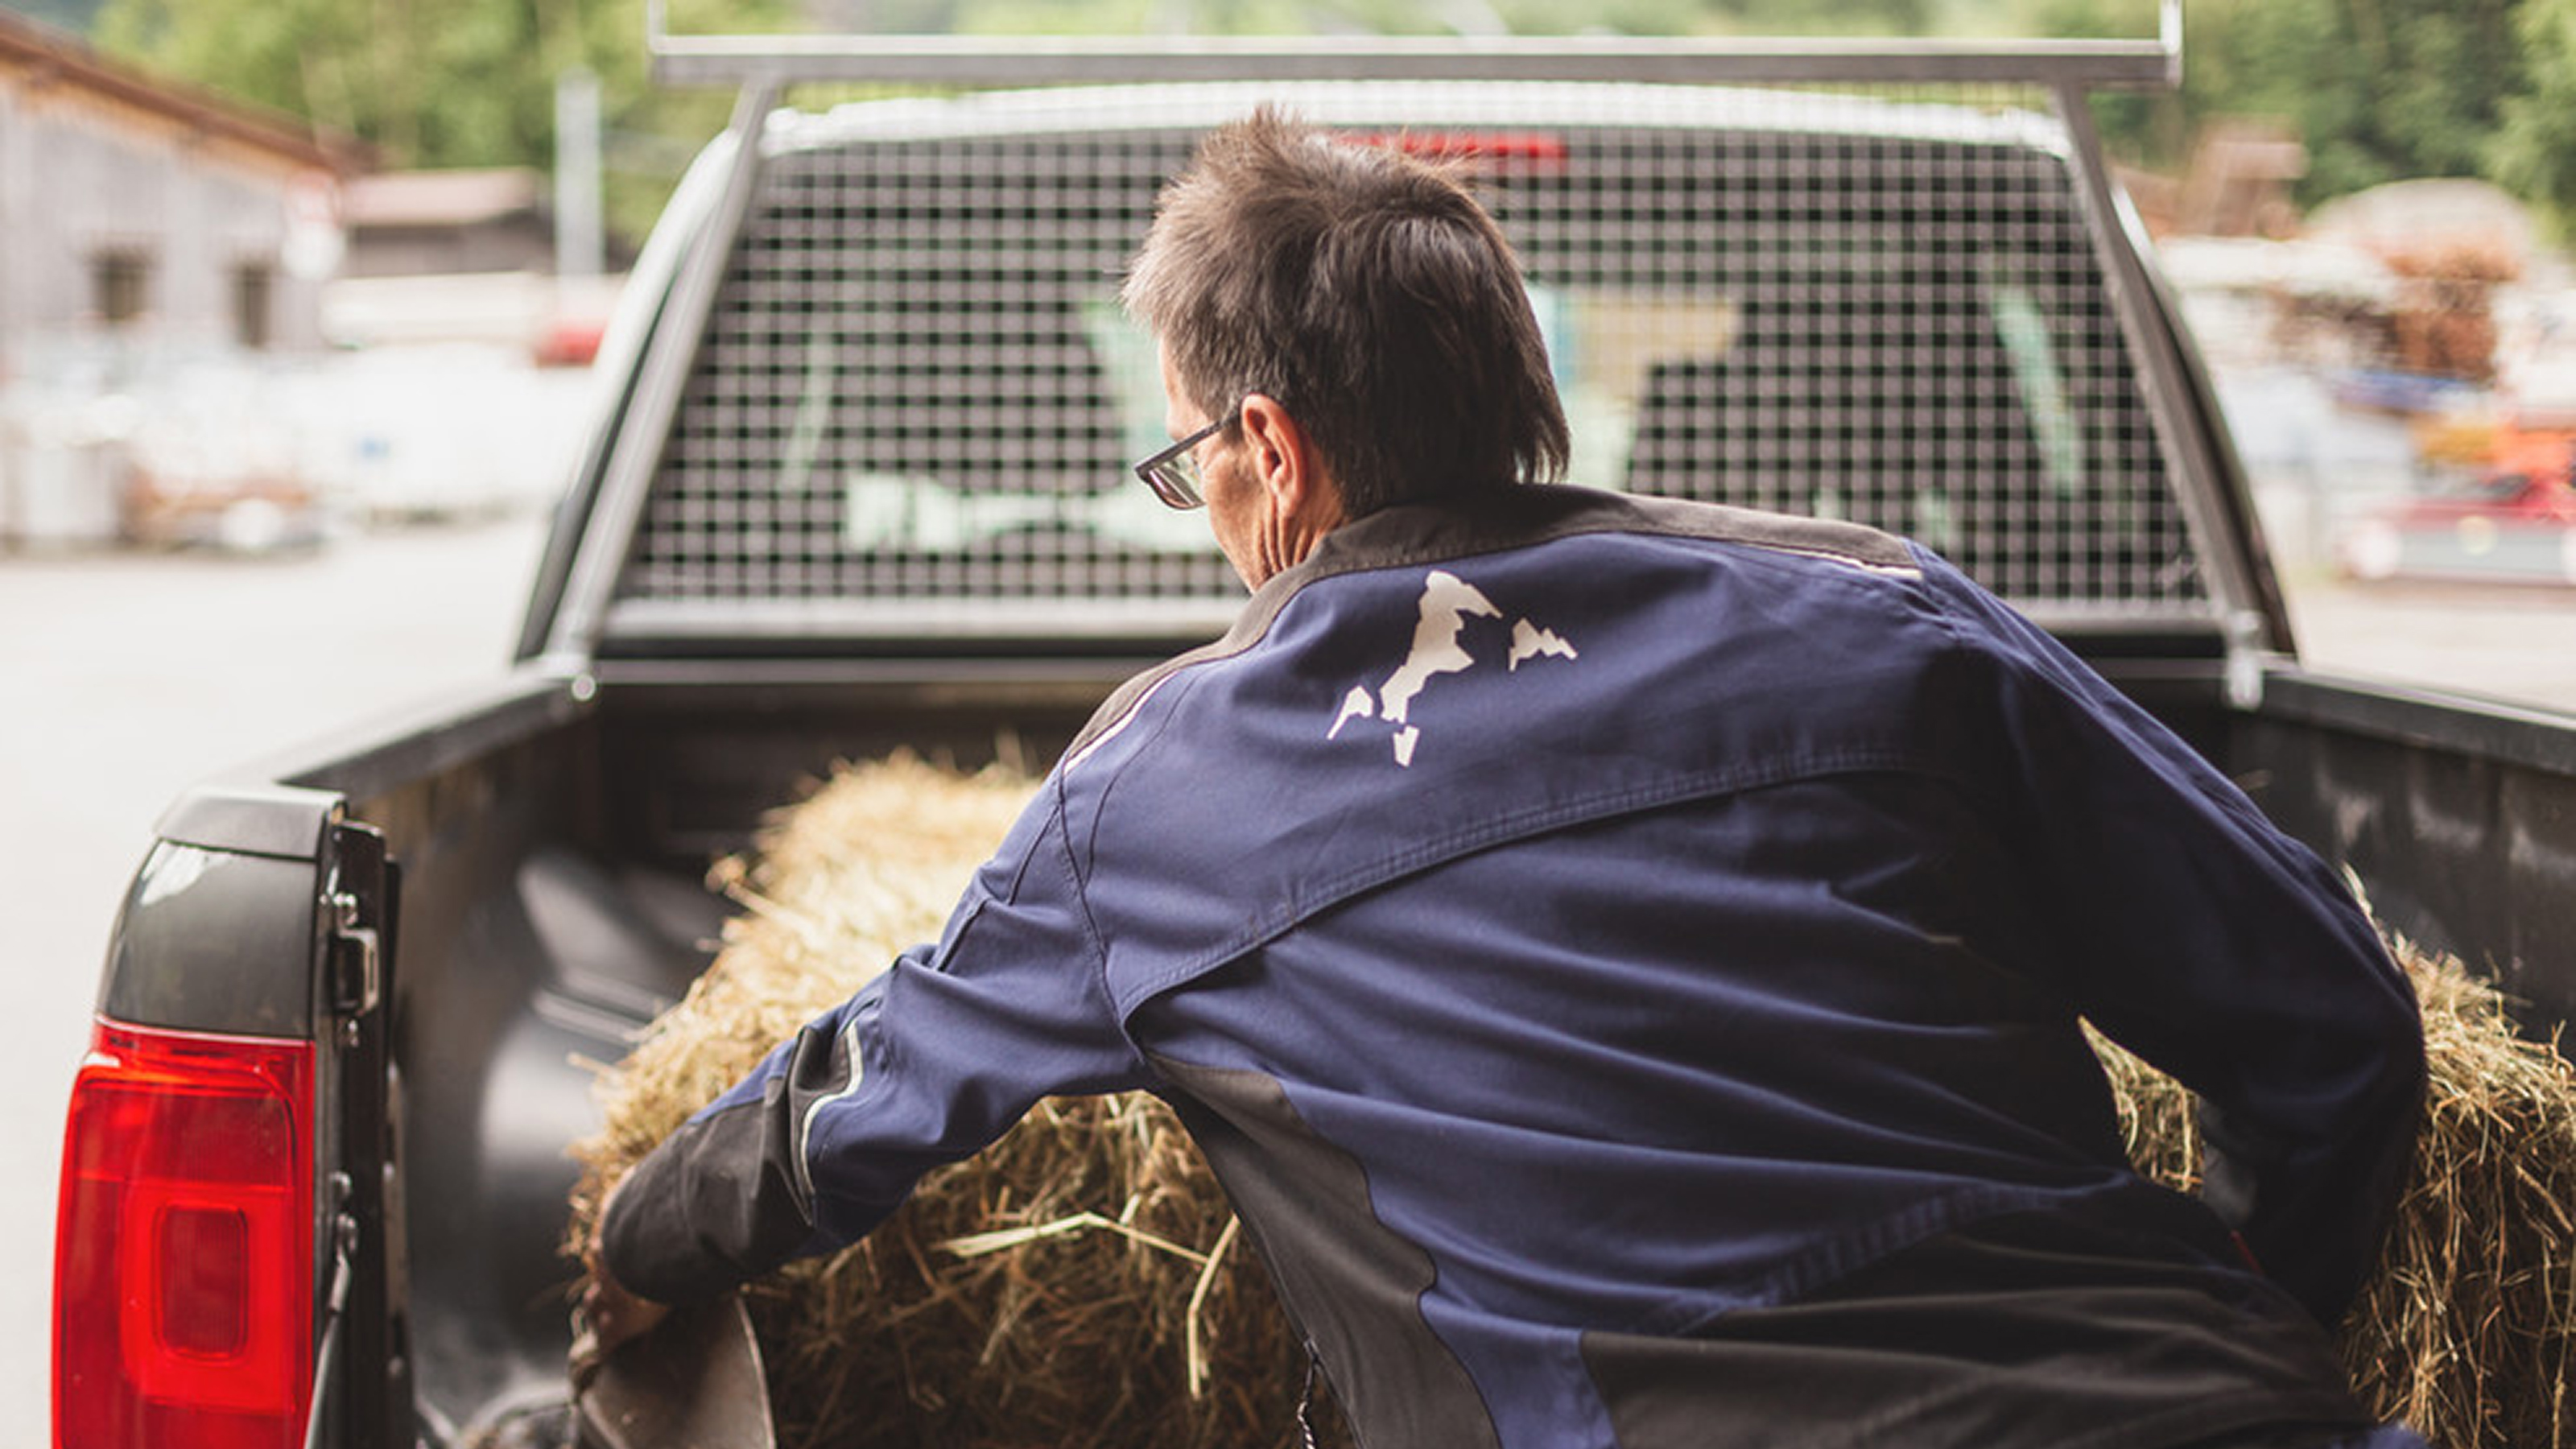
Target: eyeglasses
{"type": "Point", "coordinates": [1173, 473]}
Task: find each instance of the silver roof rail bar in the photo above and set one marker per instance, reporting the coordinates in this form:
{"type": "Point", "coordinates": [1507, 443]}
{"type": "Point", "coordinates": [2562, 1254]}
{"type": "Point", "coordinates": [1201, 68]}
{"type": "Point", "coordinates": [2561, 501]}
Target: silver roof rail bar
{"type": "Point", "coordinates": [974, 60]}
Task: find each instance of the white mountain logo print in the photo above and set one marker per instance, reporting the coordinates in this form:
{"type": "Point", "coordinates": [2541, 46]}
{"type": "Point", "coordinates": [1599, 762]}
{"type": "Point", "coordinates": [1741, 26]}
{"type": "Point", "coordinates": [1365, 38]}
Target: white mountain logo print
{"type": "Point", "coordinates": [1448, 602]}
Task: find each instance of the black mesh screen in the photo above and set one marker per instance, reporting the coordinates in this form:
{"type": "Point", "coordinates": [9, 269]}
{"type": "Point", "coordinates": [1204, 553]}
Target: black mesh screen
{"type": "Point", "coordinates": [917, 386]}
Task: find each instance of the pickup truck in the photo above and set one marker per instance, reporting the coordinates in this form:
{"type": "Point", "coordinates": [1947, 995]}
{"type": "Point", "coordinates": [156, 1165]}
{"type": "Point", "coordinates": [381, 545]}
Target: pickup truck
{"type": "Point", "coordinates": [858, 482]}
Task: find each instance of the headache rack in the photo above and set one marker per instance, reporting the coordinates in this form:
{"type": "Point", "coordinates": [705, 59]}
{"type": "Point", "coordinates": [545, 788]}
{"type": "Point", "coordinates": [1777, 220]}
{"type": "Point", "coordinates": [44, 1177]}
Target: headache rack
{"type": "Point", "coordinates": [889, 399]}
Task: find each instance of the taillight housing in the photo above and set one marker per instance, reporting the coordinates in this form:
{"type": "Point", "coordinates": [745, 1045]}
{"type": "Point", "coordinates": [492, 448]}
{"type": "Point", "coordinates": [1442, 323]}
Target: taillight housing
{"type": "Point", "coordinates": [183, 1262]}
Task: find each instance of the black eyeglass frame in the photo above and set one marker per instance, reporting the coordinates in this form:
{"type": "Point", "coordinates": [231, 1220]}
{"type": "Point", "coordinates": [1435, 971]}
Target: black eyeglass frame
{"type": "Point", "coordinates": [1173, 474]}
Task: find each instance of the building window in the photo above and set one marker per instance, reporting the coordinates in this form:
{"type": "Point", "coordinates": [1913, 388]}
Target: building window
{"type": "Point", "coordinates": [121, 284]}
{"type": "Point", "coordinates": [253, 289]}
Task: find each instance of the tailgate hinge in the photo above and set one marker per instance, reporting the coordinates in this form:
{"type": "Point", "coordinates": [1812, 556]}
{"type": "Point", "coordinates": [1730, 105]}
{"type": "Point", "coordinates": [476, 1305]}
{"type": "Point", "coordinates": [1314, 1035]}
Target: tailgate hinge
{"type": "Point", "coordinates": [356, 900]}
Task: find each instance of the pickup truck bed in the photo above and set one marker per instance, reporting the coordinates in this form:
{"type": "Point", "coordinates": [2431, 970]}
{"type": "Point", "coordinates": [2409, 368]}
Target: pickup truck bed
{"type": "Point", "coordinates": [862, 486]}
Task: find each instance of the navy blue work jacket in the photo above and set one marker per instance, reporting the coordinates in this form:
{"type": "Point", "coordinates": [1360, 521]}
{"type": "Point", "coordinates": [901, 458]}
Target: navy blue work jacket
{"type": "Point", "coordinates": [1587, 933]}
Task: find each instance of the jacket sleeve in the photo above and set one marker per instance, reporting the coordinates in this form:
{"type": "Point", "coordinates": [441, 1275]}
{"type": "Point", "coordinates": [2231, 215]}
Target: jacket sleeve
{"type": "Point", "coordinates": [925, 1065]}
{"type": "Point", "coordinates": [2196, 934]}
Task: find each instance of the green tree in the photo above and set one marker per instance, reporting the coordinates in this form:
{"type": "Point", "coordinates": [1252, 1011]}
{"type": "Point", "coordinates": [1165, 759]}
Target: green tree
{"type": "Point", "coordinates": [2534, 155]}
{"type": "Point", "coordinates": [446, 83]}
{"type": "Point", "coordinates": [2383, 89]}
{"type": "Point", "coordinates": [2379, 90]}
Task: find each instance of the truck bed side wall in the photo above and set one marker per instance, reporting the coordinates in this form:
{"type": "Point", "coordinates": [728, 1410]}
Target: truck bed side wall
{"type": "Point", "coordinates": [2458, 817]}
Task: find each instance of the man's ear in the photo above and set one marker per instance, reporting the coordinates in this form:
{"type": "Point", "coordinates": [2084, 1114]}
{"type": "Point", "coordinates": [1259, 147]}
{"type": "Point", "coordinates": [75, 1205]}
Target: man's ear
{"type": "Point", "coordinates": [1282, 456]}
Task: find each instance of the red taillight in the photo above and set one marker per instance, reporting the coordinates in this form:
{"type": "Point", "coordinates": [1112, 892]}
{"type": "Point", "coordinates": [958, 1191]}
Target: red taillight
{"type": "Point", "coordinates": [183, 1262]}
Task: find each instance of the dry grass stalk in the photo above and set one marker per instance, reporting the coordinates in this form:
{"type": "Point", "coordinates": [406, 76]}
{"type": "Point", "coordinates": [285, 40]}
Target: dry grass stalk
{"type": "Point", "coordinates": [1077, 1283]}
{"type": "Point", "coordinates": [2467, 1331]}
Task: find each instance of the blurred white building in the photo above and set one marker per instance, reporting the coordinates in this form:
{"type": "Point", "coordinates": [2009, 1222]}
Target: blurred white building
{"type": "Point", "coordinates": [145, 225]}
{"type": "Point", "coordinates": [137, 205]}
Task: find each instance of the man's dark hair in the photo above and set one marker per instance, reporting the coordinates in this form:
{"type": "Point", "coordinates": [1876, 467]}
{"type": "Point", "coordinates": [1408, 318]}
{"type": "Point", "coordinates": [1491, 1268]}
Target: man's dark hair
{"type": "Point", "coordinates": [1367, 292]}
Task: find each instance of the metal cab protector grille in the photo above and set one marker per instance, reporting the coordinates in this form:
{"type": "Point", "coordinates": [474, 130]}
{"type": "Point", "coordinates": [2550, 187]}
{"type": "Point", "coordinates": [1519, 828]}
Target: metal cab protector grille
{"type": "Point", "coordinates": [911, 412]}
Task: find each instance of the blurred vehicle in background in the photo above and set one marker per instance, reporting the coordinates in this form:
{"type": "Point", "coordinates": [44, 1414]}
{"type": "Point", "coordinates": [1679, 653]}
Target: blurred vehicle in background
{"type": "Point", "coordinates": [2499, 527]}
{"type": "Point", "coordinates": [2513, 521]}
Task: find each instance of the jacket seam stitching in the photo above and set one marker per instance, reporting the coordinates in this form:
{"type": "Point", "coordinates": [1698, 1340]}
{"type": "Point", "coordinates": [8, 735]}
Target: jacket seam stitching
{"type": "Point", "coordinates": [1307, 903]}
{"type": "Point", "coordinates": [1096, 974]}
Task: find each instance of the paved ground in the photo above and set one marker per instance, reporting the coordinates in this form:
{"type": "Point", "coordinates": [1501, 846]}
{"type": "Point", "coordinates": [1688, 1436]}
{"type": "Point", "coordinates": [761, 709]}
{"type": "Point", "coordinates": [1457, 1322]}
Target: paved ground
{"type": "Point", "coordinates": [2514, 643]}
{"type": "Point", "coordinates": [124, 678]}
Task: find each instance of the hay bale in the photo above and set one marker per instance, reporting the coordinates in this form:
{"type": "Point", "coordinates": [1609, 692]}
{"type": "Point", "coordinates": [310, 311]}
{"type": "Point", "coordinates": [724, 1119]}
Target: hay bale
{"type": "Point", "coordinates": [2467, 1330]}
{"type": "Point", "coordinates": [1081, 1281]}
